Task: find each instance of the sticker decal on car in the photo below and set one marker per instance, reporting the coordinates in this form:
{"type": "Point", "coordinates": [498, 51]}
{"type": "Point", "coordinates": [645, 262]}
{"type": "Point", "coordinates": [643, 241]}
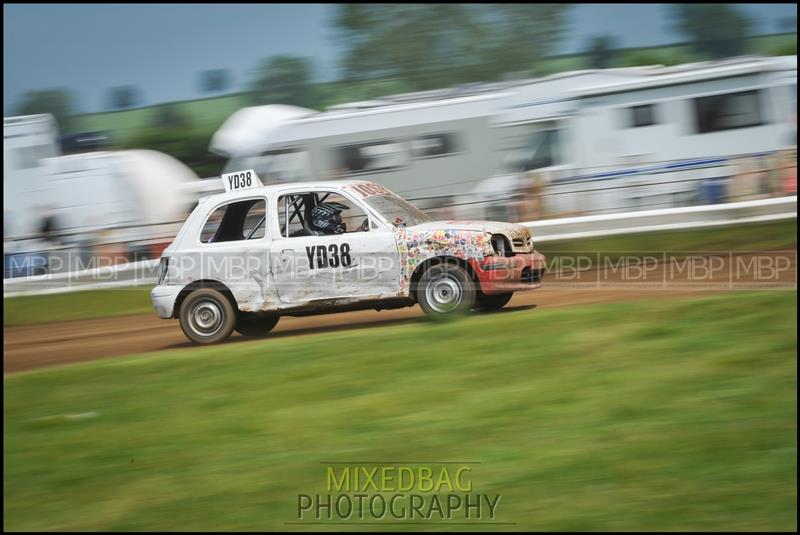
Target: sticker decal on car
{"type": "Point", "coordinates": [368, 189]}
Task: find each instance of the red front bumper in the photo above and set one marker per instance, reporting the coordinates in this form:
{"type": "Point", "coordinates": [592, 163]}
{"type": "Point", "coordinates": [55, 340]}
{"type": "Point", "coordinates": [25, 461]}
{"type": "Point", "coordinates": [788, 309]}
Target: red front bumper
{"type": "Point", "coordinates": [502, 274]}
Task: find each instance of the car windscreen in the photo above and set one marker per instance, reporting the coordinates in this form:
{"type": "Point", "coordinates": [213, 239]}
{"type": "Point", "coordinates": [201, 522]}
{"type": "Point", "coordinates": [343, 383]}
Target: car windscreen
{"type": "Point", "coordinates": [397, 210]}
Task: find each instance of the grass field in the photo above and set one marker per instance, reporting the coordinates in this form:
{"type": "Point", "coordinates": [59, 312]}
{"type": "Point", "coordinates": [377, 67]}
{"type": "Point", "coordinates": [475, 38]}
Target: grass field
{"type": "Point", "coordinates": [675, 415]}
{"type": "Point", "coordinates": [104, 303]}
{"type": "Point", "coordinates": [742, 238]}
{"type": "Point", "coordinates": [36, 309]}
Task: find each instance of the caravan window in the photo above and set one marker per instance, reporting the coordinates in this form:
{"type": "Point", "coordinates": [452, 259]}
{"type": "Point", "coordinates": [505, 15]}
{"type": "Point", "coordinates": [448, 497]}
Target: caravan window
{"type": "Point", "coordinates": [543, 150]}
{"type": "Point", "coordinates": [377, 156]}
{"type": "Point", "coordinates": [434, 145]}
{"type": "Point", "coordinates": [726, 112]}
{"type": "Point", "coordinates": [531, 146]}
{"type": "Point", "coordinates": [642, 115]}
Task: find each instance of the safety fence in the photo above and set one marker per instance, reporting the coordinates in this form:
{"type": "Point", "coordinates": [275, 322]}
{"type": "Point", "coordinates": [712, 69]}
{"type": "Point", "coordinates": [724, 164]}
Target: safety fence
{"type": "Point", "coordinates": [753, 211]}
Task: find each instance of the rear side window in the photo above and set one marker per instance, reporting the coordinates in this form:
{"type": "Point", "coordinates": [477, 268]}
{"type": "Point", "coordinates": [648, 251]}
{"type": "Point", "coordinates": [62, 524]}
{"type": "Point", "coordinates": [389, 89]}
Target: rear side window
{"type": "Point", "coordinates": [236, 221]}
{"type": "Point", "coordinates": [373, 156]}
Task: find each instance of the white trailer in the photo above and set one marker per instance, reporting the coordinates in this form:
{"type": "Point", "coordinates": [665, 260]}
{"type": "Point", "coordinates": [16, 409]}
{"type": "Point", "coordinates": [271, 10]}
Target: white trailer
{"type": "Point", "coordinates": [26, 141]}
{"type": "Point", "coordinates": [88, 191]}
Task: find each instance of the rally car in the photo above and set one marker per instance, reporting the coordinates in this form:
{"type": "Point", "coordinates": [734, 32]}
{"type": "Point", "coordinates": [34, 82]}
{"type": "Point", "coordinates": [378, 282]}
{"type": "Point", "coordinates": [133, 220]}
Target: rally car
{"type": "Point", "coordinates": [245, 257]}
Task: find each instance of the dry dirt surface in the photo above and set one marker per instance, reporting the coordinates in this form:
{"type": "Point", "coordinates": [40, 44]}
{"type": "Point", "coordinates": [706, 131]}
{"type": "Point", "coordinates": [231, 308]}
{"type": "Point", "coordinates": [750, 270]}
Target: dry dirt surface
{"type": "Point", "coordinates": [35, 346]}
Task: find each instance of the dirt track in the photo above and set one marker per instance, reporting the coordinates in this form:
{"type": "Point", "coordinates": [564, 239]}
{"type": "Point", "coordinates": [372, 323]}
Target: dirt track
{"type": "Point", "coordinates": [58, 343]}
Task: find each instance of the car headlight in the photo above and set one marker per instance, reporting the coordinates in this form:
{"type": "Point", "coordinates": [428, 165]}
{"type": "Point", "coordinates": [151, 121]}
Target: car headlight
{"type": "Point", "coordinates": [501, 245]}
{"type": "Point", "coordinates": [163, 269]}
{"type": "Point", "coordinates": [524, 242]}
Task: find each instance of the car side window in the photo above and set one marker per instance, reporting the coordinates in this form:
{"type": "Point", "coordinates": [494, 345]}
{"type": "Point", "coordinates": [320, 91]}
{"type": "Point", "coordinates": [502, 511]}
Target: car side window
{"type": "Point", "coordinates": [352, 215]}
{"type": "Point", "coordinates": [292, 207]}
{"type": "Point", "coordinates": [236, 221]}
{"type": "Point", "coordinates": [255, 221]}
{"type": "Point", "coordinates": [298, 209]}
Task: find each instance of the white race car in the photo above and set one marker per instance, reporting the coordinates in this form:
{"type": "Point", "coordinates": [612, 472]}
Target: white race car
{"type": "Point", "coordinates": [245, 257]}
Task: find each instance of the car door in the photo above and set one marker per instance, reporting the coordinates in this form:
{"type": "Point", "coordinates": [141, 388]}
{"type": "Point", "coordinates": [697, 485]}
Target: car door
{"type": "Point", "coordinates": [233, 248]}
{"type": "Point", "coordinates": [358, 264]}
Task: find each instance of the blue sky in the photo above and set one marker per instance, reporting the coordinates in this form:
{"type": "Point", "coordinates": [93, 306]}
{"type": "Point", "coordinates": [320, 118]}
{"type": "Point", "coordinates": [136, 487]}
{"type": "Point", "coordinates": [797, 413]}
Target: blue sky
{"type": "Point", "coordinates": [161, 48]}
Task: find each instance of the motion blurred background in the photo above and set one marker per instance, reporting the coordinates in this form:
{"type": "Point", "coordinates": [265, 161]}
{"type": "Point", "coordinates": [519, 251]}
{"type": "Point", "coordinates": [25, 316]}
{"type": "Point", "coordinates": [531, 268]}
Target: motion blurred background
{"type": "Point", "coordinates": [516, 112]}
{"type": "Point", "coordinates": [608, 405]}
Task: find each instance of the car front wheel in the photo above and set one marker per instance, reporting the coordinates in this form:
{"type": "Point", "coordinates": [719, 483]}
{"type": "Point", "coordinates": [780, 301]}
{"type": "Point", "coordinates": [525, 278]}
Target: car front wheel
{"type": "Point", "coordinates": [445, 290]}
{"type": "Point", "coordinates": [206, 316]}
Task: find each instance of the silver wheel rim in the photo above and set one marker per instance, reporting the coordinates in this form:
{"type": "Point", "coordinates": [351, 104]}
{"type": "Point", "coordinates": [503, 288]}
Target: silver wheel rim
{"type": "Point", "coordinates": [444, 294]}
{"type": "Point", "coordinates": [205, 317]}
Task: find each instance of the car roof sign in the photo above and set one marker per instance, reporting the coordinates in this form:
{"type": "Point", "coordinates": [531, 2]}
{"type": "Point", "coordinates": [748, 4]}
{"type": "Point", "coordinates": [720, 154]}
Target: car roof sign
{"type": "Point", "coordinates": [241, 180]}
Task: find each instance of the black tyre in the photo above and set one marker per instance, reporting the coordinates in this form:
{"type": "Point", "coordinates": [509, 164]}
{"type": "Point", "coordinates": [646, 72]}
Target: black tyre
{"type": "Point", "coordinates": [207, 316]}
{"type": "Point", "coordinates": [256, 326]}
{"type": "Point", "coordinates": [445, 290]}
{"type": "Point", "coordinates": [489, 303]}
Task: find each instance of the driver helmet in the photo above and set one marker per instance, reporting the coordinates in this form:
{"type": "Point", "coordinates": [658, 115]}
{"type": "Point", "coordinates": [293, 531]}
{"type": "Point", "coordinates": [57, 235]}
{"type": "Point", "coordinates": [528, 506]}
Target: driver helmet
{"type": "Point", "coordinates": [326, 217]}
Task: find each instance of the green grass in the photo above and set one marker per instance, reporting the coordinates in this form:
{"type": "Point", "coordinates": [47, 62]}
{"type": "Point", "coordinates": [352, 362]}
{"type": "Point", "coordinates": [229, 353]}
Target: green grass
{"type": "Point", "coordinates": [742, 238]}
{"type": "Point", "coordinates": [205, 115]}
{"type": "Point", "coordinates": [35, 309]}
{"type": "Point", "coordinates": [30, 310]}
{"type": "Point", "coordinates": [673, 415]}
{"type": "Point", "coordinates": [765, 45]}
{"type": "Point", "coordinates": [770, 44]}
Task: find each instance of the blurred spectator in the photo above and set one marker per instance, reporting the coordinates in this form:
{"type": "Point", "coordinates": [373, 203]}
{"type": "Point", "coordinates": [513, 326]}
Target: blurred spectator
{"type": "Point", "coordinates": [773, 182]}
{"type": "Point", "coordinates": [744, 184]}
{"type": "Point", "coordinates": [762, 176]}
{"type": "Point", "coordinates": [534, 208]}
{"type": "Point", "coordinates": [50, 226]}
{"type": "Point", "coordinates": [789, 172]}
{"type": "Point", "coordinates": [48, 233]}
{"type": "Point", "coordinates": [107, 252]}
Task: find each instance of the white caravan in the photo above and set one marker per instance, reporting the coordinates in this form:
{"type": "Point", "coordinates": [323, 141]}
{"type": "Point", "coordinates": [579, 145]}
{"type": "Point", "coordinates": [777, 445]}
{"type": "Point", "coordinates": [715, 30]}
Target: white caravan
{"type": "Point", "coordinates": [648, 141]}
{"type": "Point", "coordinates": [594, 136]}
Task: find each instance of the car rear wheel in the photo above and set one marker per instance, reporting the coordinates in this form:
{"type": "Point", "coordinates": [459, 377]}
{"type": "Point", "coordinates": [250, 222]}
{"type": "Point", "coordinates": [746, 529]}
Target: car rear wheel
{"type": "Point", "coordinates": [207, 316]}
{"type": "Point", "coordinates": [488, 303]}
{"type": "Point", "coordinates": [445, 290]}
{"type": "Point", "coordinates": [253, 326]}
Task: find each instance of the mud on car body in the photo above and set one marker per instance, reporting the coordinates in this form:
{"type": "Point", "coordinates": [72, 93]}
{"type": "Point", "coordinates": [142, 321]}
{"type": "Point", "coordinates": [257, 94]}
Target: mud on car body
{"type": "Point", "coordinates": [245, 257]}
